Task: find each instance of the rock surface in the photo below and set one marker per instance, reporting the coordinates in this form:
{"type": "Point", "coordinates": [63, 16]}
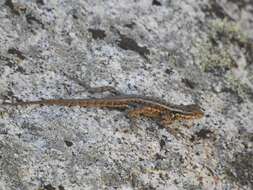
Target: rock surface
{"type": "Point", "coordinates": [184, 52]}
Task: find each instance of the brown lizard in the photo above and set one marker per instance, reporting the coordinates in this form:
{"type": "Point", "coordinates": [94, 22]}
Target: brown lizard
{"type": "Point", "coordinates": [137, 106]}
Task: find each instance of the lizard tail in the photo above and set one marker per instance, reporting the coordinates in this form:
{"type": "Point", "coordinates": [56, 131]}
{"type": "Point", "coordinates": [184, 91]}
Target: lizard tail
{"type": "Point", "coordinates": [62, 102]}
{"type": "Point", "coordinates": [21, 103]}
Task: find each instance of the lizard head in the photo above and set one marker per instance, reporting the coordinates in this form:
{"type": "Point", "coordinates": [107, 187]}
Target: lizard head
{"type": "Point", "coordinates": [192, 111]}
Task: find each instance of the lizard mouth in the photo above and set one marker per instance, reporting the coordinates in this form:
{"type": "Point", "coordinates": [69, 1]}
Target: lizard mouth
{"type": "Point", "coordinates": [199, 115]}
{"type": "Point", "coordinates": [196, 115]}
{"type": "Point", "coordinates": [194, 112]}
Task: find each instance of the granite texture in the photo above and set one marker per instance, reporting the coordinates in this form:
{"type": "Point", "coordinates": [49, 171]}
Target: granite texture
{"type": "Point", "coordinates": [188, 51]}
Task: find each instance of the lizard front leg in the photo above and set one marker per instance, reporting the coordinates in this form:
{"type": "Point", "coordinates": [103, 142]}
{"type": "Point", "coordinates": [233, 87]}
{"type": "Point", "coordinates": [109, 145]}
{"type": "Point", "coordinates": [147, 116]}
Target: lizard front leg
{"type": "Point", "coordinates": [143, 111]}
{"type": "Point", "coordinates": [167, 119]}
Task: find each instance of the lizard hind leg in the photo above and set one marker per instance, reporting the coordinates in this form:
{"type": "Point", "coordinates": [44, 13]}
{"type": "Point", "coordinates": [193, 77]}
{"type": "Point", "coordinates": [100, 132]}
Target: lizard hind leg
{"type": "Point", "coordinates": [94, 90]}
{"type": "Point", "coordinates": [166, 121]}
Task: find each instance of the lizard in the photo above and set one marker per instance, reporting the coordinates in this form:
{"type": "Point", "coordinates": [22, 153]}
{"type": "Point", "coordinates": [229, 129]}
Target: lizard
{"type": "Point", "coordinates": [137, 106]}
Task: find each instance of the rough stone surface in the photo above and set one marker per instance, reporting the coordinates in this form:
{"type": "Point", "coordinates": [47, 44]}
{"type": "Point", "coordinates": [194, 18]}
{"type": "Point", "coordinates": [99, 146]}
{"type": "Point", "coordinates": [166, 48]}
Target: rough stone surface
{"type": "Point", "coordinates": [188, 51]}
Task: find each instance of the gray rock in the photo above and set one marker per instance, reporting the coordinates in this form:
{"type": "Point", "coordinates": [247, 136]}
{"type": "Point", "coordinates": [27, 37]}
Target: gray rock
{"type": "Point", "coordinates": [180, 51]}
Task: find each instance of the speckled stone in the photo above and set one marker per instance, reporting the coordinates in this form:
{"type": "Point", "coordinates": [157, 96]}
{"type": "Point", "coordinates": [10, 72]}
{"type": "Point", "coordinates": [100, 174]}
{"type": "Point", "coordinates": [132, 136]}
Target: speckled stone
{"type": "Point", "coordinates": [183, 52]}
